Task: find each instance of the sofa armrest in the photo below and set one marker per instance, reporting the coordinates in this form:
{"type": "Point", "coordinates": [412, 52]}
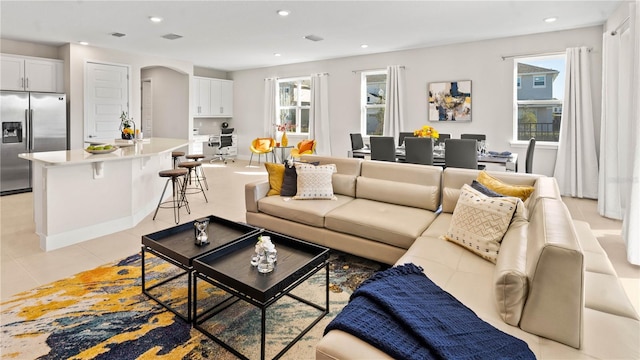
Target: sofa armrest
{"type": "Point", "coordinates": [253, 192]}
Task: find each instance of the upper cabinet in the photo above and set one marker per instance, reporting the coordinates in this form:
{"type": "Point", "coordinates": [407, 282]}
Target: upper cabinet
{"type": "Point", "coordinates": [213, 97]}
{"type": "Point", "coordinates": [25, 73]}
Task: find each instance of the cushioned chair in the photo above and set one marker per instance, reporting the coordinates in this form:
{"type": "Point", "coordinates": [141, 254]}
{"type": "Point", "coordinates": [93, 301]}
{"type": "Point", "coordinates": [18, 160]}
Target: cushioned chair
{"type": "Point", "coordinates": [529, 161]}
{"type": "Point", "coordinates": [461, 153]}
{"type": "Point", "coordinates": [383, 148]}
{"type": "Point", "coordinates": [477, 137]}
{"type": "Point", "coordinates": [261, 146]}
{"type": "Point", "coordinates": [442, 138]}
{"type": "Point", "coordinates": [357, 143]}
{"type": "Point", "coordinates": [403, 135]}
{"type": "Point", "coordinates": [418, 150]}
{"type": "Point", "coordinates": [304, 147]}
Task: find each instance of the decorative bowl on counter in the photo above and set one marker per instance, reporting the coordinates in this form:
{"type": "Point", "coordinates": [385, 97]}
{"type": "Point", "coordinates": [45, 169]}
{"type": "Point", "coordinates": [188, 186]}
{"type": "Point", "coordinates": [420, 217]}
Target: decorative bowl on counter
{"type": "Point", "coordinates": [104, 149]}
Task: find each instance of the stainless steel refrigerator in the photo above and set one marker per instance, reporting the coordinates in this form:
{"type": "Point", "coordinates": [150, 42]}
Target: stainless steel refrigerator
{"type": "Point", "coordinates": [31, 122]}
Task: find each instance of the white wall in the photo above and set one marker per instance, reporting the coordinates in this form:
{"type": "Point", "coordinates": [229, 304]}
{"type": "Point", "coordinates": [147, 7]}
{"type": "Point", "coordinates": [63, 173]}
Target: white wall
{"type": "Point", "coordinates": [170, 91]}
{"type": "Point", "coordinates": [77, 57]}
{"type": "Point", "coordinates": [29, 49]}
{"type": "Point", "coordinates": [480, 62]}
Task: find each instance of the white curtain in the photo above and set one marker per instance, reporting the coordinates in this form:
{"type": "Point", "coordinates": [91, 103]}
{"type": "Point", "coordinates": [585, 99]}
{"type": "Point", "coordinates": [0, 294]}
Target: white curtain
{"type": "Point", "coordinates": [270, 88]}
{"type": "Point", "coordinates": [631, 220]}
{"type": "Point", "coordinates": [577, 164]}
{"type": "Point", "coordinates": [394, 108]}
{"type": "Point", "coordinates": [319, 127]}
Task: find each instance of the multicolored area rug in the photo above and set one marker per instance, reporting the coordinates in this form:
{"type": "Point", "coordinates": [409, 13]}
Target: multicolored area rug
{"type": "Point", "coordinates": [102, 314]}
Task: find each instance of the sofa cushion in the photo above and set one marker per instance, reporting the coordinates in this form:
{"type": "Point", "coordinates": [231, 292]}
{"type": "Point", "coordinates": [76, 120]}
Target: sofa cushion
{"type": "Point", "coordinates": [391, 224]}
{"type": "Point", "coordinates": [309, 212]}
{"type": "Point", "coordinates": [314, 182]}
{"type": "Point", "coordinates": [407, 194]}
{"type": "Point", "coordinates": [521, 191]}
{"type": "Point", "coordinates": [276, 176]}
{"type": "Point", "coordinates": [479, 222]}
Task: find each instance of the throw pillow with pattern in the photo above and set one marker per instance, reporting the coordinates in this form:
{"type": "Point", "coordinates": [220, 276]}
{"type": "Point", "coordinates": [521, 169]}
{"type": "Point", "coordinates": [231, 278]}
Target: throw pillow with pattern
{"type": "Point", "coordinates": [314, 182]}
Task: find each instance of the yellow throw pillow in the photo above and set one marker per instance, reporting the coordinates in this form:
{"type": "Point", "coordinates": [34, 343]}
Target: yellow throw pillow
{"type": "Point", "coordinates": [276, 175]}
{"type": "Point", "coordinates": [520, 191]}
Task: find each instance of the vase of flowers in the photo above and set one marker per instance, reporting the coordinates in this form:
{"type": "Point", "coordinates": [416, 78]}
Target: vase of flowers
{"type": "Point", "coordinates": [284, 140]}
{"type": "Point", "coordinates": [127, 127]}
{"type": "Point", "coordinates": [427, 131]}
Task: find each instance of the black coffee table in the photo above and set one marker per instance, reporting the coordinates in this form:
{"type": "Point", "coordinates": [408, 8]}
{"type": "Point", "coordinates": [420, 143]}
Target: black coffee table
{"type": "Point", "coordinates": [229, 269]}
{"type": "Point", "coordinates": [176, 245]}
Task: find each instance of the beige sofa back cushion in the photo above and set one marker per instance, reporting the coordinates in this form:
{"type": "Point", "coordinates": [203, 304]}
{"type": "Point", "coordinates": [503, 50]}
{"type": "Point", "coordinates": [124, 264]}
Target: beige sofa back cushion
{"type": "Point", "coordinates": [454, 178]}
{"type": "Point", "coordinates": [347, 169]}
{"type": "Point", "coordinates": [555, 269]}
{"type": "Point", "coordinates": [403, 184]}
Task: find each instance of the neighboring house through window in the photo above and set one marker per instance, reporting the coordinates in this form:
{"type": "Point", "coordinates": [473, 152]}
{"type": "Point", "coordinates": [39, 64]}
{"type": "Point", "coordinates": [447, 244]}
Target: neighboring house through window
{"type": "Point", "coordinates": [373, 101]}
{"type": "Point", "coordinates": [294, 102]}
{"type": "Point", "coordinates": [539, 91]}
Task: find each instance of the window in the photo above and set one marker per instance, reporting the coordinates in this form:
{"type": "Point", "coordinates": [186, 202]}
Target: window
{"type": "Point", "coordinates": [373, 100]}
{"type": "Point", "coordinates": [294, 102]}
{"type": "Point", "coordinates": [538, 106]}
{"type": "Point", "coordinates": [539, 81]}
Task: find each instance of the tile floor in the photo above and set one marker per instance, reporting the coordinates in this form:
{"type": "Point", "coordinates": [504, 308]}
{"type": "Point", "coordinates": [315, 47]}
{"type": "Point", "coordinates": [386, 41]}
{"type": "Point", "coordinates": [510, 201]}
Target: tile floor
{"type": "Point", "coordinates": [24, 266]}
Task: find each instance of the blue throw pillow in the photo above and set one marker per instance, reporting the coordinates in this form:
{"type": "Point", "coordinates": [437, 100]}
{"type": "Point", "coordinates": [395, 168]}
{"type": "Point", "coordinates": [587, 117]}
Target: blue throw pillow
{"type": "Point", "coordinates": [479, 187]}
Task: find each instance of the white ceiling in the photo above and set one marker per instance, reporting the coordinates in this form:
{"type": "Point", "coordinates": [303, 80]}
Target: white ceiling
{"type": "Point", "coordinates": [235, 35]}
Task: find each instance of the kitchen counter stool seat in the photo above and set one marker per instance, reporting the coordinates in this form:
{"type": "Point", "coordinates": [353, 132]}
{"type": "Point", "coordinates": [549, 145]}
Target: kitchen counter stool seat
{"type": "Point", "coordinates": [176, 157]}
{"type": "Point", "coordinates": [193, 177]}
{"type": "Point", "coordinates": [200, 169]}
{"type": "Point", "coordinates": [178, 198]}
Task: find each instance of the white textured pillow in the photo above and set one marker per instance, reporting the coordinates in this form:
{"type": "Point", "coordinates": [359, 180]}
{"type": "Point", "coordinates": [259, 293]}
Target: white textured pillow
{"type": "Point", "coordinates": [479, 222]}
{"type": "Point", "coordinates": [314, 182]}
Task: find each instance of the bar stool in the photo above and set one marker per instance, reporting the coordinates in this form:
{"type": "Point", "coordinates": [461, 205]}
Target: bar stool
{"type": "Point", "coordinates": [178, 199]}
{"type": "Point", "coordinates": [193, 176]}
{"type": "Point", "coordinates": [200, 169]}
{"type": "Point", "coordinates": [176, 155]}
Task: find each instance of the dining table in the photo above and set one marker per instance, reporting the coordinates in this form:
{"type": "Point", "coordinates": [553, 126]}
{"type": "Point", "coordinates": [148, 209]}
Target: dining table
{"type": "Point", "coordinates": [507, 159]}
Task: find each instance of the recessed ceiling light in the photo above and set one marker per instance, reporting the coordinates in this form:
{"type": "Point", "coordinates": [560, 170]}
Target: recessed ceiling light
{"type": "Point", "coordinates": [283, 12]}
{"type": "Point", "coordinates": [550, 19]}
{"type": "Point", "coordinates": [277, 54]}
{"type": "Point", "coordinates": [364, 46]}
{"type": "Point", "coordinates": [83, 43]}
{"type": "Point", "coordinates": [155, 19]}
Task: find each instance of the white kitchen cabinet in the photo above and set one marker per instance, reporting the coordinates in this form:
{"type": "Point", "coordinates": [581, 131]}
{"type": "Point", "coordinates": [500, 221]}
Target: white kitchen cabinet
{"type": "Point", "coordinates": [25, 73]}
{"type": "Point", "coordinates": [213, 97]}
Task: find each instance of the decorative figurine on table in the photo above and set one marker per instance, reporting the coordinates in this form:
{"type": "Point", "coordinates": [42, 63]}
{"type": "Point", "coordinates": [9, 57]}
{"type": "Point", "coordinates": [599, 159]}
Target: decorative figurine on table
{"type": "Point", "coordinates": [265, 255]}
{"type": "Point", "coordinates": [127, 127]}
{"type": "Point", "coordinates": [200, 227]}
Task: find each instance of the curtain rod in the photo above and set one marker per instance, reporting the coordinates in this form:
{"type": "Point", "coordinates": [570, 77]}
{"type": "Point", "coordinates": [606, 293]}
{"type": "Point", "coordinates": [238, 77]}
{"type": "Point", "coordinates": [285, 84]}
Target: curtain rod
{"type": "Point", "coordinates": [296, 77]}
{"type": "Point", "coordinates": [362, 70]}
{"type": "Point", "coordinates": [615, 31]}
{"type": "Point", "coordinates": [505, 57]}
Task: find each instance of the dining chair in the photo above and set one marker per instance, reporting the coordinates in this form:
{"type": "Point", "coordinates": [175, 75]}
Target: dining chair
{"type": "Point", "coordinates": [477, 137]}
{"type": "Point", "coordinates": [357, 143]}
{"type": "Point", "coordinates": [442, 137]}
{"type": "Point", "coordinates": [529, 160]}
{"type": "Point", "coordinates": [418, 150]}
{"type": "Point", "coordinates": [383, 148]}
{"type": "Point", "coordinates": [403, 135]}
{"type": "Point", "coordinates": [461, 153]}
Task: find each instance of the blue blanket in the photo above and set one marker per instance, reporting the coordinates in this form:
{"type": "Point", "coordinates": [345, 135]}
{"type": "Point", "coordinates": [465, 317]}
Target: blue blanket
{"type": "Point", "coordinates": [403, 313]}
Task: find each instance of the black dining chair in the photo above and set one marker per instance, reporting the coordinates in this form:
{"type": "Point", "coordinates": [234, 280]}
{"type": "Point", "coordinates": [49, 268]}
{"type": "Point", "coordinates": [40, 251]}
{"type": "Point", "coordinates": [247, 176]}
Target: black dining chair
{"type": "Point", "coordinates": [403, 135]}
{"type": "Point", "coordinates": [442, 137]}
{"type": "Point", "coordinates": [383, 148]}
{"type": "Point", "coordinates": [357, 143]}
{"type": "Point", "coordinates": [529, 160]}
{"type": "Point", "coordinates": [477, 137]}
{"type": "Point", "coordinates": [461, 153]}
{"type": "Point", "coordinates": [418, 150]}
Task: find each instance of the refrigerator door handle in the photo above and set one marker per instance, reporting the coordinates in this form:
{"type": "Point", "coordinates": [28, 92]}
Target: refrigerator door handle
{"type": "Point", "coordinates": [30, 130]}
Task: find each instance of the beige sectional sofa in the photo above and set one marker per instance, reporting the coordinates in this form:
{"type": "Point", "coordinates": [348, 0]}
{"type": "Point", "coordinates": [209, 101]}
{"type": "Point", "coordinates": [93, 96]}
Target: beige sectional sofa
{"type": "Point", "coordinates": [552, 286]}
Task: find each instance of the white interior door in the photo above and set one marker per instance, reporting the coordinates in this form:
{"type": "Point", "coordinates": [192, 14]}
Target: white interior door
{"type": "Point", "coordinates": [147, 108]}
{"type": "Point", "coordinates": [106, 97]}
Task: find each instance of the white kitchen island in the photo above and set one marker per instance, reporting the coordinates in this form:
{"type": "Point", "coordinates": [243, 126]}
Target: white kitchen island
{"type": "Point", "coordinates": [80, 196]}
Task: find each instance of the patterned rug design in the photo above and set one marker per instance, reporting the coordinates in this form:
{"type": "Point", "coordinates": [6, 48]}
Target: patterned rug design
{"type": "Point", "coordinates": [102, 314]}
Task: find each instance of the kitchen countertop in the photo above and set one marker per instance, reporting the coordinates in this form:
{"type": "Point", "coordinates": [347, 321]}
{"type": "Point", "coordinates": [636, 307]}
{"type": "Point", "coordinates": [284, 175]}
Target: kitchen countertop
{"type": "Point", "coordinates": [76, 156]}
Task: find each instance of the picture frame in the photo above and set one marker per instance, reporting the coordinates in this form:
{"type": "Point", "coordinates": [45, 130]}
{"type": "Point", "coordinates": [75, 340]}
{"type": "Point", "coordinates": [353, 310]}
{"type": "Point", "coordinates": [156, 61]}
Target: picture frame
{"type": "Point", "coordinates": [449, 101]}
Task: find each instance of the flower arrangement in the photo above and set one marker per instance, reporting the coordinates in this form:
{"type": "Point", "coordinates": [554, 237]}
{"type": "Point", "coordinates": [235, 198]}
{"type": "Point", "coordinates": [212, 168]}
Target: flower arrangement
{"type": "Point", "coordinates": [284, 127]}
{"type": "Point", "coordinates": [426, 131]}
{"type": "Point", "coordinates": [127, 127]}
